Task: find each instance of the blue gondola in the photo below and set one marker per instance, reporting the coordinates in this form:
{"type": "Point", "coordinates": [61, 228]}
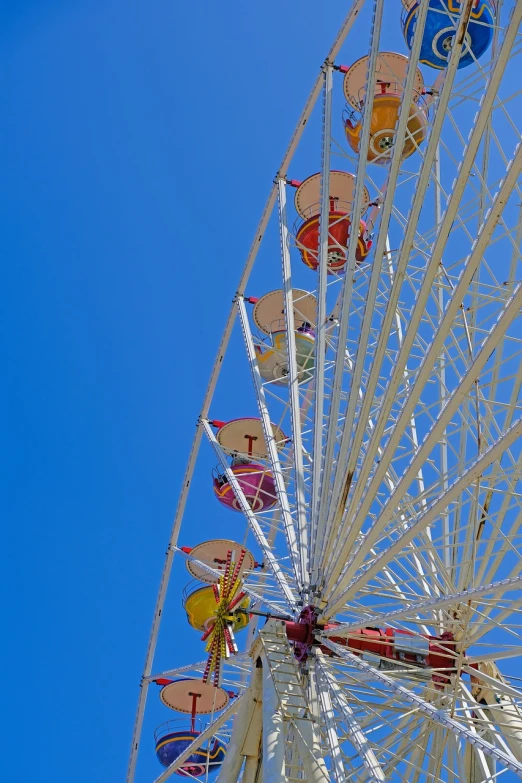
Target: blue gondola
{"type": "Point", "coordinates": [440, 30]}
{"type": "Point", "coordinates": [170, 745]}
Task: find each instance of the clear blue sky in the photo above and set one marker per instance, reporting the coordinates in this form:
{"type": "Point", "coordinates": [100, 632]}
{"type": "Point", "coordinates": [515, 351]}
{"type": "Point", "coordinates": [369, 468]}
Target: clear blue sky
{"type": "Point", "coordinates": [138, 142]}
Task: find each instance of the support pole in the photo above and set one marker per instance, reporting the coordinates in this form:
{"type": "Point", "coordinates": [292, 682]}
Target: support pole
{"type": "Point", "coordinates": [505, 712]}
{"type": "Point", "coordinates": [252, 772]}
{"type": "Point", "coordinates": [447, 553]}
{"type": "Point", "coordinates": [273, 732]}
{"type": "Point", "coordinates": [293, 387]}
{"type": "Point", "coordinates": [275, 462]}
{"type": "Point", "coordinates": [320, 344]}
{"type": "Point", "coordinates": [231, 767]}
{"type": "Point", "coordinates": [336, 757]}
{"type": "Point", "coordinates": [478, 768]}
{"type": "Point", "coordinates": [298, 708]}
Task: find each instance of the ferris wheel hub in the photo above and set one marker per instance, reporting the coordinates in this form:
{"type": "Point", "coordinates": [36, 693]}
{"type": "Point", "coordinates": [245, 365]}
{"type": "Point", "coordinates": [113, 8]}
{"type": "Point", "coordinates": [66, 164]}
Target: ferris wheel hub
{"type": "Point", "coordinates": [302, 632]}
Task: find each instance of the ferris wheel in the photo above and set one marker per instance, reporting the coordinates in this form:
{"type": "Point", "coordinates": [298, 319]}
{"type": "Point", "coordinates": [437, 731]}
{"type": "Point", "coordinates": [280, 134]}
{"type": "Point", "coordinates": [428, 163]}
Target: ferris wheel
{"type": "Point", "coordinates": [359, 605]}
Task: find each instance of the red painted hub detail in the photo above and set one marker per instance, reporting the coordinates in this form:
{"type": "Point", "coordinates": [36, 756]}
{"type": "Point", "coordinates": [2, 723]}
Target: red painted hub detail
{"type": "Point", "coordinates": [389, 644]}
{"type": "Point", "coordinates": [301, 633]}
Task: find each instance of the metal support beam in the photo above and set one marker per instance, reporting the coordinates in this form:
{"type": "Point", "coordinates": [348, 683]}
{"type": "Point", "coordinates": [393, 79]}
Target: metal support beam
{"type": "Point", "coordinates": [503, 710]}
{"type": "Point", "coordinates": [293, 388]}
{"type": "Point", "coordinates": [231, 767]}
{"type": "Point", "coordinates": [336, 757]}
{"type": "Point", "coordinates": [273, 732]}
{"type": "Point", "coordinates": [320, 343]}
{"type": "Point", "coordinates": [441, 373]}
{"type": "Point", "coordinates": [275, 463]}
{"type": "Point", "coordinates": [298, 709]}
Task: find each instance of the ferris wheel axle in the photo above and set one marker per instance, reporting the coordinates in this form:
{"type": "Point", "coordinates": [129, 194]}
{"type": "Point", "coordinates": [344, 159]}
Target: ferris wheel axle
{"type": "Point", "coordinates": [393, 647]}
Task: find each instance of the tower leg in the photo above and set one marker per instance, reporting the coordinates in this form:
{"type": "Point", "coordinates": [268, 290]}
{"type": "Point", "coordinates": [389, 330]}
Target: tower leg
{"type": "Point", "coordinates": [476, 767]}
{"type": "Point", "coordinates": [243, 725]}
{"type": "Point", "coordinates": [273, 733]}
{"type": "Point", "coordinates": [504, 712]}
{"type": "Point", "coordinates": [250, 773]}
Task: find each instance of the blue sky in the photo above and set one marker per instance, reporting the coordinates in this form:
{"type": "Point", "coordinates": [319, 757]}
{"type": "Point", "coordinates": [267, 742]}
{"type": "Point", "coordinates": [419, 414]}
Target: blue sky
{"type": "Point", "coordinates": [138, 143]}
